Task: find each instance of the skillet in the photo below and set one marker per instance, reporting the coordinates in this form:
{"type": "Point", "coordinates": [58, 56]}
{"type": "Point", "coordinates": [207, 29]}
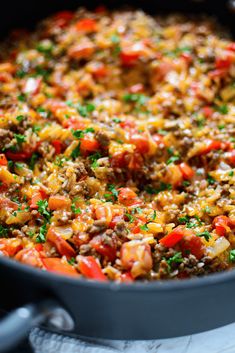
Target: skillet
{"type": "Point", "coordinates": [110, 310]}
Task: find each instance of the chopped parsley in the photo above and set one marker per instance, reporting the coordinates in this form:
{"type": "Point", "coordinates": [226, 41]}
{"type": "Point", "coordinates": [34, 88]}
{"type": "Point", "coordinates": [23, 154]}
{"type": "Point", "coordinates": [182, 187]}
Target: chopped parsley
{"type": "Point", "coordinates": [163, 186]}
{"type": "Point", "coordinates": [3, 231]}
{"type": "Point", "coordinates": [41, 237]}
{"type": "Point", "coordinates": [130, 217]}
{"type": "Point", "coordinates": [33, 160]}
{"type": "Point", "coordinates": [138, 98]}
{"type": "Point", "coordinates": [231, 173]}
{"type": "Point", "coordinates": [20, 118]}
{"type": "Point", "coordinates": [144, 227]}
{"type": "Point", "coordinates": [176, 258]}
{"type": "Point", "coordinates": [204, 234]}
{"type": "Point", "coordinates": [21, 97]}
{"type": "Point", "coordinates": [75, 210]}
{"type": "Point", "coordinates": [223, 109]}
{"type": "Point", "coordinates": [84, 110]}
{"type": "Point", "coordinates": [210, 179]}
{"type": "Point", "coordinates": [113, 190]}
{"type": "Point", "coordinates": [172, 159]}
{"type": "Point", "coordinates": [71, 261]}
{"type": "Point", "coordinates": [20, 138]}
{"type": "Point", "coordinates": [76, 152]}
{"type": "Point", "coordinates": [190, 222]}
{"type": "Point", "coordinates": [78, 134]}
{"type": "Point", "coordinates": [43, 209]}
{"type": "Point", "coordinates": [231, 256]}
{"type": "Point", "coordinates": [116, 120]}
{"type": "Point", "coordinates": [93, 158]}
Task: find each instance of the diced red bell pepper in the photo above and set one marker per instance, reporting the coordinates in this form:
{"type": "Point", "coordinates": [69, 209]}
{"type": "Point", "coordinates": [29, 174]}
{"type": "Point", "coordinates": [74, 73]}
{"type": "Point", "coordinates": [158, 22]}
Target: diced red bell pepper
{"type": "Point", "coordinates": [37, 196]}
{"type": "Point", "coordinates": [62, 246]}
{"type": "Point", "coordinates": [109, 251]}
{"type": "Point", "coordinates": [89, 144]}
{"type": "Point", "coordinates": [232, 158]}
{"type": "Point", "coordinates": [129, 56]}
{"type": "Point", "coordinates": [86, 25]}
{"type": "Point", "coordinates": [211, 145]}
{"type": "Point", "coordinates": [128, 124]}
{"type": "Point", "coordinates": [57, 144]}
{"type": "Point", "coordinates": [29, 256]}
{"type": "Point", "coordinates": [193, 245]}
{"type": "Point", "coordinates": [89, 268]}
{"type": "Point", "coordinates": [18, 156]}
{"type": "Point", "coordinates": [74, 123]}
{"type": "Point", "coordinates": [128, 197]}
{"type": "Point", "coordinates": [126, 277]}
{"type": "Point", "coordinates": [187, 57]}
{"type": "Point", "coordinates": [218, 73]}
{"type": "Point", "coordinates": [98, 70]}
{"type": "Point", "coordinates": [63, 18]}
{"type": "Point", "coordinates": [231, 47]}
{"type": "Point", "coordinates": [224, 63]}
{"type": "Point", "coordinates": [141, 143]}
{"type": "Point", "coordinates": [11, 245]}
{"type": "Point", "coordinates": [174, 237]}
{"type": "Point", "coordinates": [54, 264]}
{"type": "Point", "coordinates": [207, 111]}
{"type": "Point", "coordinates": [3, 160]}
{"type": "Point", "coordinates": [221, 225]}
{"type": "Point", "coordinates": [186, 170]}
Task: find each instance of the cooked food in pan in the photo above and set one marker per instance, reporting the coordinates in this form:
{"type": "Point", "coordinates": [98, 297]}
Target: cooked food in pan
{"type": "Point", "coordinates": [117, 142]}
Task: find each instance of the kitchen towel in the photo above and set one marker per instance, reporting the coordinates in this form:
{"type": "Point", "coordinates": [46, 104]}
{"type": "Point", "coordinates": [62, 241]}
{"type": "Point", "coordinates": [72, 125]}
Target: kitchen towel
{"type": "Point", "coordinates": [221, 340]}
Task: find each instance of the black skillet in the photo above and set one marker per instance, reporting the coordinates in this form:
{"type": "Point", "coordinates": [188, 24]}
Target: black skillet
{"type": "Point", "coordinates": [110, 310]}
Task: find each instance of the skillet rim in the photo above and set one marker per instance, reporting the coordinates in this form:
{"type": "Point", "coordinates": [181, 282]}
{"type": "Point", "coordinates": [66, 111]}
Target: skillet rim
{"type": "Point", "coordinates": [158, 285]}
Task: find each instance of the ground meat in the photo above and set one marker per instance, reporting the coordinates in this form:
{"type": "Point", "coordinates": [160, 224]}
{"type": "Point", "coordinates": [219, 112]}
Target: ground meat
{"type": "Point", "coordinates": [102, 138]}
{"type": "Point", "coordinates": [5, 138]}
{"type": "Point", "coordinates": [97, 227]}
{"type": "Point", "coordinates": [121, 229]}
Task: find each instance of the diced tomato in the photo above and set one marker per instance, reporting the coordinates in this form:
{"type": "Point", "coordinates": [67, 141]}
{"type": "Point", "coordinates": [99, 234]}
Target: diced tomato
{"type": "Point", "coordinates": [221, 225]}
{"type": "Point", "coordinates": [232, 158]}
{"type": "Point", "coordinates": [187, 57]}
{"type": "Point", "coordinates": [161, 71]}
{"type": "Point", "coordinates": [129, 59]}
{"type": "Point", "coordinates": [224, 63]}
{"type": "Point", "coordinates": [231, 47]}
{"type": "Point", "coordinates": [192, 245]}
{"type": "Point", "coordinates": [141, 143]}
{"type": "Point", "coordinates": [128, 124]}
{"type": "Point", "coordinates": [62, 246]}
{"type": "Point", "coordinates": [38, 247]}
{"type": "Point", "coordinates": [37, 196]}
{"type": "Point", "coordinates": [98, 69]}
{"type": "Point", "coordinates": [186, 170]}
{"type": "Point", "coordinates": [104, 212]}
{"type": "Point", "coordinates": [211, 145]}
{"type": "Point", "coordinates": [74, 123]}
{"type": "Point", "coordinates": [57, 202]}
{"type": "Point", "coordinates": [30, 257]}
{"type": "Point", "coordinates": [218, 73]}
{"type": "Point", "coordinates": [128, 197]}
{"type": "Point", "coordinates": [138, 88]}
{"type": "Point", "coordinates": [81, 51]}
{"type": "Point", "coordinates": [86, 25]}
{"type": "Point", "coordinates": [57, 144]}
{"type": "Point", "coordinates": [99, 245]}
{"type": "Point", "coordinates": [119, 160]}
{"type": "Point", "coordinates": [63, 18]}
{"type": "Point", "coordinates": [54, 264]}
{"type": "Point", "coordinates": [135, 161]}
{"type": "Point", "coordinates": [115, 220]}
{"type": "Point", "coordinates": [89, 268]}
{"type": "Point", "coordinates": [89, 144]}
{"type": "Point", "coordinates": [136, 257]}
{"type": "Point", "coordinates": [174, 237]}
{"type": "Point", "coordinates": [3, 160]}
{"type": "Point", "coordinates": [126, 277]}
{"type": "Point", "coordinates": [207, 111]}
{"type": "Point", "coordinates": [158, 139]}
{"type": "Point", "coordinates": [11, 245]}
{"type": "Point", "coordinates": [18, 156]}
{"type": "Point", "coordinates": [5, 202]}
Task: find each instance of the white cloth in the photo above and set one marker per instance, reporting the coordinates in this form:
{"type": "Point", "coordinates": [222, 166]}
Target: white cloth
{"type": "Point", "coordinates": [221, 340]}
